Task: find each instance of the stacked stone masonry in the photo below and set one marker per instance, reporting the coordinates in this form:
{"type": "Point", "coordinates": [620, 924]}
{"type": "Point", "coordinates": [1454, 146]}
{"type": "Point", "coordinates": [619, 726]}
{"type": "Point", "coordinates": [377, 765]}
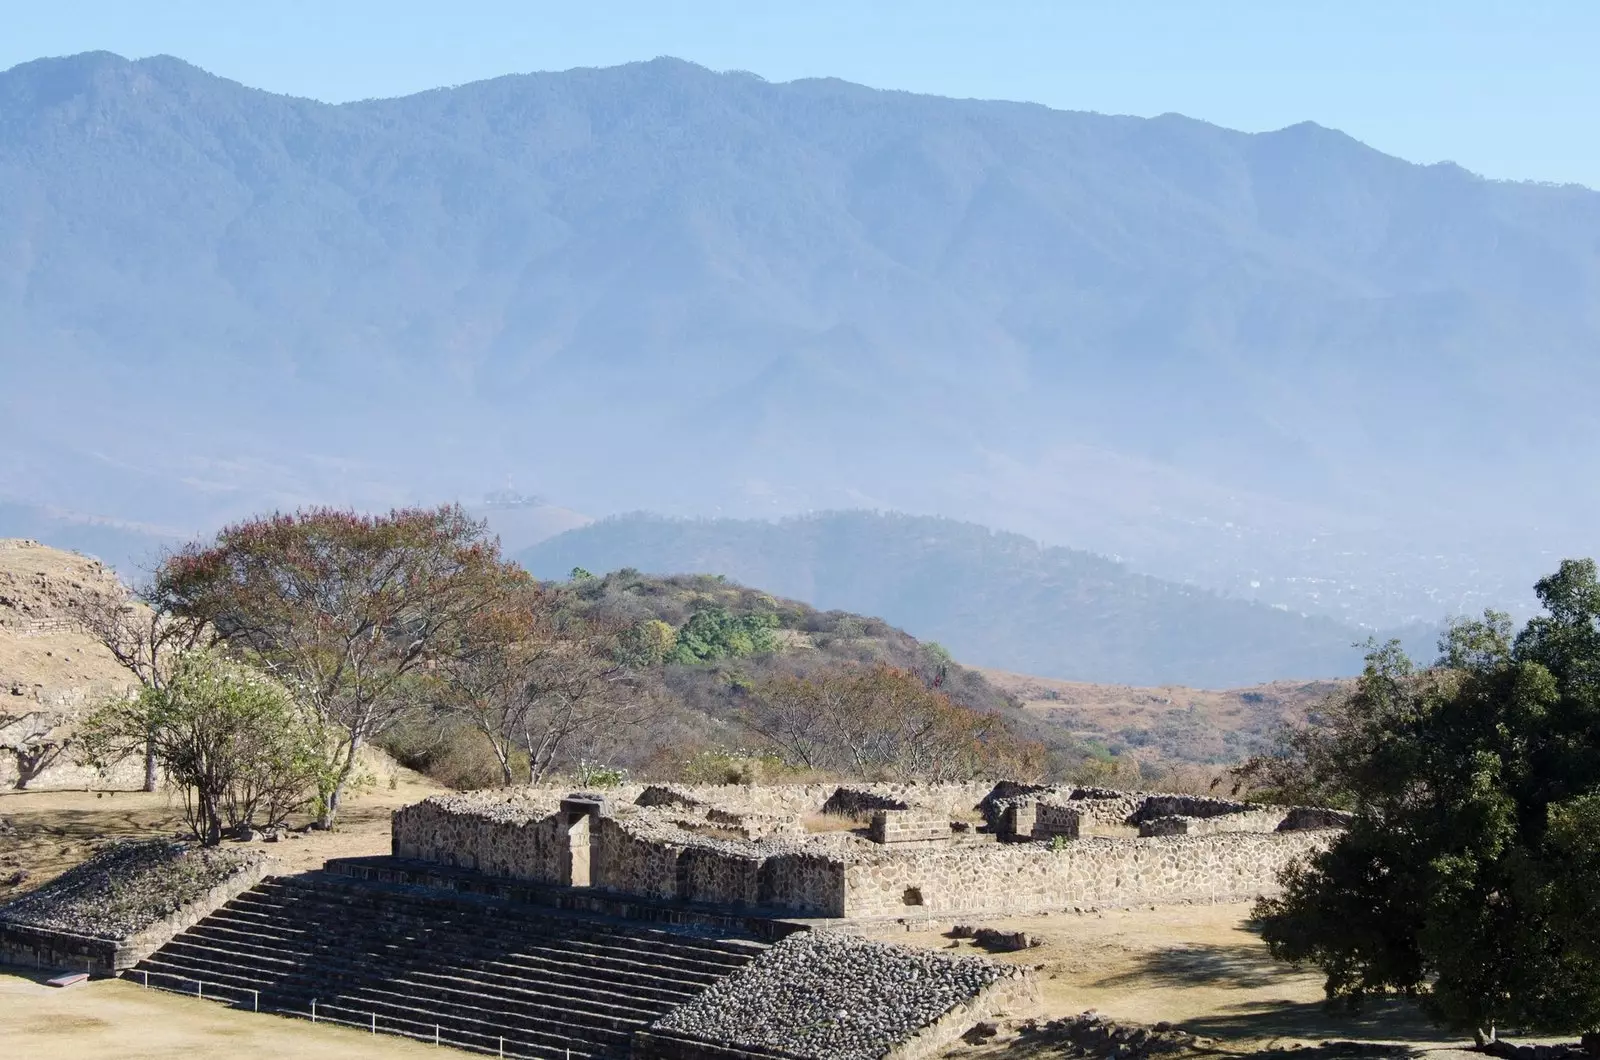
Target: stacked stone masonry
{"type": "Point", "coordinates": [671, 844]}
{"type": "Point", "coordinates": [894, 827]}
{"type": "Point", "coordinates": [1088, 873]}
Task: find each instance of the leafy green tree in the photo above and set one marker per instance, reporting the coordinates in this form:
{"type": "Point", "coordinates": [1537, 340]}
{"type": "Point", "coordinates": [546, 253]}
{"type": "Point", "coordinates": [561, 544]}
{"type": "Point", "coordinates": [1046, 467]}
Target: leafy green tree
{"type": "Point", "coordinates": [716, 632]}
{"type": "Point", "coordinates": [1470, 876]}
{"type": "Point", "coordinates": [237, 744]}
{"type": "Point", "coordinates": [649, 643]}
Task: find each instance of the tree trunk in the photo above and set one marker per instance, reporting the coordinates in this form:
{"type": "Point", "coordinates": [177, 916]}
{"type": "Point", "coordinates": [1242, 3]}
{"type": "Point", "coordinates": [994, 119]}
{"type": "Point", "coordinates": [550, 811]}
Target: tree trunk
{"type": "Point", "coordinates": [213, 822]}
{"type": "Point", "coordinates": [331, 809]}
{"type": "Point", "coordinates": [150, 765]}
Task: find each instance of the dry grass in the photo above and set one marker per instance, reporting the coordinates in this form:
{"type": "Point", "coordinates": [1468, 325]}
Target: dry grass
{"type": "Point", "coordinates": [821, 823]}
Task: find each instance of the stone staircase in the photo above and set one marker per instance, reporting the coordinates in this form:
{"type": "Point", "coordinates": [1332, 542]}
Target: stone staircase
{"type": "Point", "coordinates": [479, 974]}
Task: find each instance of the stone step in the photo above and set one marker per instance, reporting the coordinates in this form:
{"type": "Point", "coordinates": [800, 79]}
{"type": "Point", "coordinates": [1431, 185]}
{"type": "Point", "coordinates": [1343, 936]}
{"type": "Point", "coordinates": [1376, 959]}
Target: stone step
{"type": "Point", "coordinates": [552, 1027]}
{"type": "Point", "coordinates": [582, 1003]}
{"type": "Point", "coordinates": [682, 961]}
{"type": "Point", "coordinates": [406, 909]}
{"type": "Point", "coordinates": [481, 971]}
{"type": "Point", "coordinates": [568, 975]}
{"type": "Point", "coordinates": [309, 942]}
{"type": "Point", "coordinates": [498, 910]}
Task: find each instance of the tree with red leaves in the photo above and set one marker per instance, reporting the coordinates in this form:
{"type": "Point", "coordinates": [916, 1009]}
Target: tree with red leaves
{"type": "Point", "coordinates": [347, 610]}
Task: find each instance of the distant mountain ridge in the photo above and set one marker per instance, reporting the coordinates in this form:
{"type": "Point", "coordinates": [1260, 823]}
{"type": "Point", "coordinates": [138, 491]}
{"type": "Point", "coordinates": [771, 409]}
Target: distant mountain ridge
{"type": "Point", "coordinates": [1228, 357]}
{"type": "Point", "coordinates": [993, 599]}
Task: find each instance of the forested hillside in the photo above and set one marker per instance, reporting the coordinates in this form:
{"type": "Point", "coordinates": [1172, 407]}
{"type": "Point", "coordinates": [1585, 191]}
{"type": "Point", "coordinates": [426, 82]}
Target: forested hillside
{"type": "Point", "coordinates": [993, 599]}
{"type": "Point", "coordinates": [704, 653]}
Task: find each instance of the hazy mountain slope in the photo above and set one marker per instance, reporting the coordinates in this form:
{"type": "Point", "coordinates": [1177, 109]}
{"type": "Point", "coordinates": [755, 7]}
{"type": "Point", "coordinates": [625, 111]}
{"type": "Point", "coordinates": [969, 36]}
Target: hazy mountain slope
{"type": "Point", "coordinates": [130, 550]}
{"type": "Point", "coordinates": [656, 286]}
{"type": "Point", "coordinates": [993, 599]}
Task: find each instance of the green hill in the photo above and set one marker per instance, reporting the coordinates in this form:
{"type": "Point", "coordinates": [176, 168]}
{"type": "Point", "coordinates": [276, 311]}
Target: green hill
{"type": "Point", "coordinates": [723, 641]}
{"type": "Point", "coordinates": [994, 599]}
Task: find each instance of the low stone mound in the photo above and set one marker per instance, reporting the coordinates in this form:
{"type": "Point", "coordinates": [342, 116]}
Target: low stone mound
{"type": "Point", "coordinates": [122, 904]}
{"type": "Point", "coordinates": [127, 887]}
{"type": "Point", "coordinates": [840, 997]}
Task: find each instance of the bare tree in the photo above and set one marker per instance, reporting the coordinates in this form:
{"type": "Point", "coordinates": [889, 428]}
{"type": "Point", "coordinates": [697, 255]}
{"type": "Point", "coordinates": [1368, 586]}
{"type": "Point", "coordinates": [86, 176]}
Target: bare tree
{"type": "Point", "coordinates": [143, 639]}
{"type": "Point", "coordinates": [574, 694]}
{"type": "Point", "coordinates": [882, 722]}
{"type": "Point", "coordinates": [30, 736]}
{"type": "Point", "coordinates": [531, 675]}
{"type": "Point", "coordinates": [482, 680]}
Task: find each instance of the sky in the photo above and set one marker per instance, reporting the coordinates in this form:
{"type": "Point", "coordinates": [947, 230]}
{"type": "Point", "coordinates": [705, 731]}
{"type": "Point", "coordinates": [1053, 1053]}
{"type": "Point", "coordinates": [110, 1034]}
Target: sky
{"type": "Point", "coordinates": [1509, 90]}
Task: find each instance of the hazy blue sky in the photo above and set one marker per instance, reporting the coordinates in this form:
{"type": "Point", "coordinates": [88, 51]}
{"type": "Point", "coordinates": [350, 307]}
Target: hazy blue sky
{"type": "Point", "coordinates": [1506, 89]}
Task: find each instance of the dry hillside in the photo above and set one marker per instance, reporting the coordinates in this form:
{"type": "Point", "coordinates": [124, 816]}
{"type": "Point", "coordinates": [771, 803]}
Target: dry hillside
{"type": "Point", "coordinates": [1169, 724]}
{"type": "Point", "coordinates": [49, 670]}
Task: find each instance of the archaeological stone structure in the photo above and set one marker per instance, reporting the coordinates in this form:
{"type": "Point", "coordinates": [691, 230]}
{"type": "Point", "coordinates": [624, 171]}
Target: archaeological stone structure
{"type": "Point", "coordinates": [670, 922]}
{"type": "Point", "coordinates": [931, 850]}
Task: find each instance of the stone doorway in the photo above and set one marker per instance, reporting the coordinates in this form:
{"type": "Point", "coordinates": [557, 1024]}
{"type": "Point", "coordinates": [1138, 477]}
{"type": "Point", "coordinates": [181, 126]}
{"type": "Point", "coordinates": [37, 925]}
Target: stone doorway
{"type": "Point", "coordinates": [580, 815]}
{"type": "Point", "coordinates": [578, 853]}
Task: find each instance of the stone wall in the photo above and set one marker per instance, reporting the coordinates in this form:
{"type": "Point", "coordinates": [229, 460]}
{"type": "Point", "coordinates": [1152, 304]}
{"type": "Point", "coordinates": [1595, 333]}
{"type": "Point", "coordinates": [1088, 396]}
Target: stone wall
{"type": "Point", "coordinates": [521, 840]}
{"type": "Point", "coordinates": [1195, 806]}
{"type": "Point", "coordinates": [634, 864]}
{"type": "Point", "coordinates": [909, 826]}
{"type": "Point", "coordinates": [657, 853]}
{"type": "Point", "coordinates": [37, 746]}
{"type": "Point", "coordinates": [644, 854]}
{"type": "Point", "coordinates": [1055, 820]}
{"type": "Point", "coordinates": [1084, 873]}
{"type": "Point", "coordinates": [1257, 820]}
{"type": "Point", "coordinates": [1299, 818]}
{"type": "Point", "coordinates": [855, 799]}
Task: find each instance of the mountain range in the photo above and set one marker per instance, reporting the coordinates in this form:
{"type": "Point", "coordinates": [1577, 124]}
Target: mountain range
{"type": "Point", "coordinates": [1283, 365]}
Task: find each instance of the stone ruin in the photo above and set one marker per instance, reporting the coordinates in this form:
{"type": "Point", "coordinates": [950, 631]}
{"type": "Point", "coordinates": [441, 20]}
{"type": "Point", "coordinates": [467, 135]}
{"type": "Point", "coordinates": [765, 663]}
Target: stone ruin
{"type": "Point", "coordinates": [927, 850]}
{"type": "Point", "coordinates": [668, 922]}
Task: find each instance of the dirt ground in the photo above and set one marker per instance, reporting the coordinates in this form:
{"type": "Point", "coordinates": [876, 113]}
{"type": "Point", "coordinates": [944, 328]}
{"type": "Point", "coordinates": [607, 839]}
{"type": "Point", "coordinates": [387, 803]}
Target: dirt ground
{"type": "Point", "coordinates": [1198, 966]}
{"type": "Point", "coordinates": [111, 1017]}
{"type": "Point", "coordinates": [51, 831]}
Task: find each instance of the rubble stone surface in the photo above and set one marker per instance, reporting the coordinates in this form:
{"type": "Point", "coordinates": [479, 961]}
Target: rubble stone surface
{"type": "Point", "coordinates": [126, 888]}
{"type": "Point", "coordinates": [832, 997]}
